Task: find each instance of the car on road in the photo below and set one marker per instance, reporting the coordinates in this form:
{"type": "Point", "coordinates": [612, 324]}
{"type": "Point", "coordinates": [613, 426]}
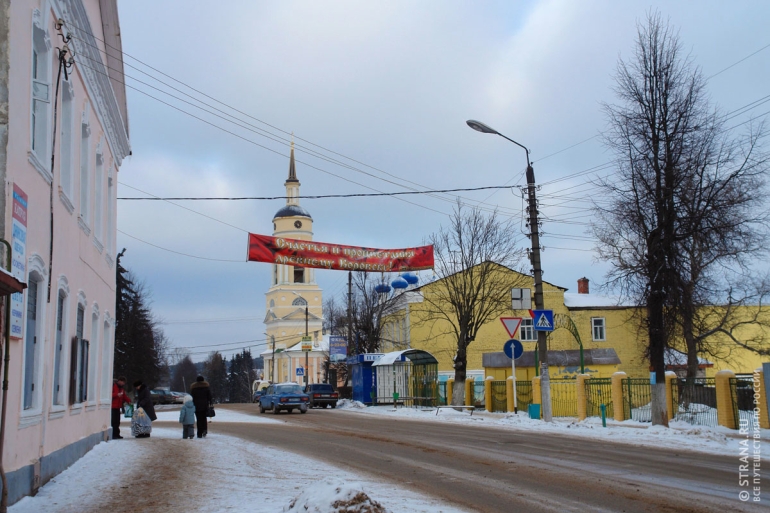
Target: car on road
{"type": "Point", "coordinates": [284, 396]}
{"type": "Point", "coordinates": [161, 396]}
{"type": "Point", "coordinates": [322, 395]}
{"type": "Point", "coordinates": [178, 397]}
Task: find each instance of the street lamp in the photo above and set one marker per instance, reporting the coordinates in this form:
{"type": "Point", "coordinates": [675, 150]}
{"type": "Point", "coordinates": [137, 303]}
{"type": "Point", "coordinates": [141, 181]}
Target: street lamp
{"type": "Point", "coordinates": [542, 345]}
{"type": "Point", "coordinates": [306, 335]}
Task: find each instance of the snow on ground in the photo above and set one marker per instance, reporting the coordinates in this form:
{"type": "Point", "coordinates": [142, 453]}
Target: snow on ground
{"type": "Point", "coordinates": [221, 473]}
{"type": "Point", "coordinates": [680, 435]}
{"type": "Point", "coordinates": [222, 415]}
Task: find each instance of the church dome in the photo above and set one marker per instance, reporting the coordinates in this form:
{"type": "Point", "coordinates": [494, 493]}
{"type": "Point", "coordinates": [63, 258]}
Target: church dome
{"type": "Point", "coordinates": [292, 211]}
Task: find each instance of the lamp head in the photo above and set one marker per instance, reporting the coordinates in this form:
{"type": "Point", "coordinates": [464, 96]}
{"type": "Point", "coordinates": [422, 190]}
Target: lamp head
{"type": "Point", "coordinates": [480, 127]}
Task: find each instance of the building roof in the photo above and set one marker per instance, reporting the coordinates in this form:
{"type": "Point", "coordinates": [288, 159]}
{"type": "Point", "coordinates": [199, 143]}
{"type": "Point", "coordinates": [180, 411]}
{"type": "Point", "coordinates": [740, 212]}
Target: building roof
{"type": "Point", "coordinates": [292, 211]}
{"type": "Point", "coordinates": [577, 300]}
{"type": "Point", "coordinates": [416, 356]}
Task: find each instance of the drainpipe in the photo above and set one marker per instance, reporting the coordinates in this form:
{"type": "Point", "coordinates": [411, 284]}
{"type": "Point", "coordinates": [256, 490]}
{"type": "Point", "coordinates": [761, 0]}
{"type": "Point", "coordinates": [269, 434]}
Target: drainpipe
{"type": "Point", "coordinates": [6, 360]}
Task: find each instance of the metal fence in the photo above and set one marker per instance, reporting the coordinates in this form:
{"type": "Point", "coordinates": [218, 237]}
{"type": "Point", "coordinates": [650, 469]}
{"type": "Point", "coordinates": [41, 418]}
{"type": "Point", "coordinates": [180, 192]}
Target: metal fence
{"type": "Point", "coordinates": [478, 394]}
{"type": "Point", "coordinates": [742, 393]}
{"type": "Point", "coordinates": [696, 400]}
{"type": "Point", "coordinates": [563, 398]}
{"type": "Point", "coordinates": [499, 396]}
{"type": "Point", "coordinates": [523, 395]}
{"type": "Point", "coordinates": [637, 399]}
{"type": "Point", "coordinates": [442, 393]}
{"type": "Point", "coordinates": [598, 392]}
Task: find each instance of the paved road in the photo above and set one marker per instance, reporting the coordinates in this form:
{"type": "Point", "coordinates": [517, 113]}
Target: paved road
{"type": "Point", "coordinates": [493, 470]}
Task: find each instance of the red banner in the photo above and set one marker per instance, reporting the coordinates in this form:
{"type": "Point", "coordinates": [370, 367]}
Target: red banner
{"type": "Point", "coordinates": [320, 255]}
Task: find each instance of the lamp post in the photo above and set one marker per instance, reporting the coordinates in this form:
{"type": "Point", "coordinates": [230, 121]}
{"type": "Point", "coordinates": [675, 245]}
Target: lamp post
{"type": "Point", "coordinates": [306, 335]}
{"type": "Point", "coordinates": [542, 345]}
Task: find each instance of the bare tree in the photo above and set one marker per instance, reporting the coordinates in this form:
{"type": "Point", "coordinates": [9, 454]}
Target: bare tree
{"type": "Point", "coordinates": [681, 187]}
{"type": "Point", "coordinates": [475, 259]}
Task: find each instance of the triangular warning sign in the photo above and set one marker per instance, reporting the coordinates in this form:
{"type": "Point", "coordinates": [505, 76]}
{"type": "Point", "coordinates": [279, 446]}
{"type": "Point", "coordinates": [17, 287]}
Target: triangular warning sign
{"type": "Point", "coordinates": [511, 325]}
{"type": "Point", "coordinates": [542, 322]}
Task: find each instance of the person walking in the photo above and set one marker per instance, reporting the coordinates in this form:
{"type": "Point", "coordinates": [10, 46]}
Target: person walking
{"type": "Point", "coordinates": [201, 394]}
{"type": "Point", "coordinates": [144, 401]}
{"type": "Point", "coordinates": [119, 398]}
{"type": "Point", "coordinates": [187, 418]}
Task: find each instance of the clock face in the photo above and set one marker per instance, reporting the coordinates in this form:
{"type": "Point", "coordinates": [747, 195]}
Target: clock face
{"type": "Point", "coordinates": [297, 224]}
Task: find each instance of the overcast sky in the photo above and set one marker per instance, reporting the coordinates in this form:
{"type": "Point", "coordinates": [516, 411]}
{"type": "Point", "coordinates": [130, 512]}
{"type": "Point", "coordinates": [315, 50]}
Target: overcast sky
{"type": "Point", "coordinates": [389, 84]}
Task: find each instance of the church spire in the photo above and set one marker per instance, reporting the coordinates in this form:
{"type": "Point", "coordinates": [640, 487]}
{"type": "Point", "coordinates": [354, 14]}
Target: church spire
{"type": "Point", "coordinates": [292, 169]}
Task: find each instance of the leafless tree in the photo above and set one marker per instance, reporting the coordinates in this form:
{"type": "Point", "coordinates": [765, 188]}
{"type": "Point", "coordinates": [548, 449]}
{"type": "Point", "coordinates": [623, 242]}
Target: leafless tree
{"type": "Point", "coordinates": [681, 188]}
{"type": "Point", "coordinates": [474, 258]}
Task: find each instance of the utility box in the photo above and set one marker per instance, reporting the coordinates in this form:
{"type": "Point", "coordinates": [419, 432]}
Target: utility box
{"type": "Point", "coordinates": [362, 376]}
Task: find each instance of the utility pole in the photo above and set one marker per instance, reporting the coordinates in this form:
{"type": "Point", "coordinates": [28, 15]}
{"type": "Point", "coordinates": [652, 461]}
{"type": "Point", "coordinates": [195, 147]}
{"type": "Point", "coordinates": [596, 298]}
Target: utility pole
{"type": "Point", "coordinates": [350, 319]}
{"type": "Point", "coordinates": [307, 368]}
{"type": "Point", "coordinates": [537, 271]}
{"type": "Point", "coordinates": [272, 372]}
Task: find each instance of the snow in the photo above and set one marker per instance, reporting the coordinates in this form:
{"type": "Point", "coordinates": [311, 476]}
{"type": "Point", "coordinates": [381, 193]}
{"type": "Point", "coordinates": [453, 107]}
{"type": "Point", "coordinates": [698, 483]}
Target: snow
{"type": "Point", "coordinates": [222, 415]}
{"type": "Point", "coordinates": [680, 435]}
{"type": "Point", "coordinates": [573, 300]}
{"type": "Point", "coordinates": [240, 477]}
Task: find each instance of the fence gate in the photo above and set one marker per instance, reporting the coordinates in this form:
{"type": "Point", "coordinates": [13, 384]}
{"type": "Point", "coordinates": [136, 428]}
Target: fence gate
{"type": "Point", "coordinates": [523, 394]}
{"type": "Point", "coordinates": [598, 392]}
{"type": "Point", "coordinates": [442, 393]}
{"type": "Point", "coordinates": [696, 400]}
{"type": "Point", "coordinates": [499, 396]}
{"type": "Point", "coordinates": [563, 398]}
{"type": "Point", "coordinates": [637, 399]}
{"type": "Point", "coordinates": [478, 394]}
{"type": "Point", "coordinates": [742, 393]}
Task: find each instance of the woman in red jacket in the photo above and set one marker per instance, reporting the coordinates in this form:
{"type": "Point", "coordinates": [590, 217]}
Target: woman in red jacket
{"type": "Point", "coordinates": [119, 397]}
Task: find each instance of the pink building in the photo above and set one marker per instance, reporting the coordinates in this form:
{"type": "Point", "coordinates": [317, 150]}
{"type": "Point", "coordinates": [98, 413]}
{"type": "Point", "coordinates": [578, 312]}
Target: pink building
{"type": "Point", "coordinates": [61, 221]}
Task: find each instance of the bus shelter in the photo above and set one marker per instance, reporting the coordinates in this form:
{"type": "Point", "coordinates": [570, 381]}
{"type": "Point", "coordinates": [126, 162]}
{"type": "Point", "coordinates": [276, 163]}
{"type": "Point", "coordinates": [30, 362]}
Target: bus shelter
{"type": "Point", "coordinates": [408, 377]}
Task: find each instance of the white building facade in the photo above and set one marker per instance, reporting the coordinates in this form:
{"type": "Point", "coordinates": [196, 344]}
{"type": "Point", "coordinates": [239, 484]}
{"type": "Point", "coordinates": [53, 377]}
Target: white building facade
{"type": "Point", "coordinates": [61, 221]}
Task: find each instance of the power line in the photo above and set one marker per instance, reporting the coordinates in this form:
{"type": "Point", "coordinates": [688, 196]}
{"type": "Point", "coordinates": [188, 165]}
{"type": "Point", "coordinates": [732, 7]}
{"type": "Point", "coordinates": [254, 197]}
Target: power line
{"type": "Point", "coordinates": [356, 195]}
{"type": "Point", "coordinates": [178, 252]}
{"type": "Point", "coordinates": [738, 62]}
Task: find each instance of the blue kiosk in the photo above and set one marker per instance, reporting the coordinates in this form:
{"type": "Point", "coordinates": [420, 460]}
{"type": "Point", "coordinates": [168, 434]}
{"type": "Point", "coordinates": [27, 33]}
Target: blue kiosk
{"type": "Point", "coordinates": [362, 377]}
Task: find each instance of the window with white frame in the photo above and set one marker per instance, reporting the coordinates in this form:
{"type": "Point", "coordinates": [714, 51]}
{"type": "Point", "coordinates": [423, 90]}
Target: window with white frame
{"type": "Point", "coordinates": [58, 375]}
{"type": "Point", "coordinates": [99, 194]}
{"type": "Point", "coordinates": [85, 172]}
{"type": "Point", "coordinates": [67, 141]}
{"type": "Point", "coordinates": [41, 93]}
{"type": "Point", "coordinates": [300, 301]}
{"type": "Point", "coordinates": [527, 331]}
{"type": "Point", "coordinates": [106, 381]}
{"type": "Point", "coordinates": [79, 360]}
{"type": "Point", "coordinates": [33, 341]}
{"type": "Point", "coordinates": [93, 355]}
{"type": "Point", "coordinates": [598, 329]}
{"type": "Point", "coordinates": [111, 199]}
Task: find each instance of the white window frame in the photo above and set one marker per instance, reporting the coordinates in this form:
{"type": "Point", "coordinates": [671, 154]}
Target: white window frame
{"type": "Point", "coordinates": [40, 96]}
{"type": "Point", "coordinates": [598, 327]}
{"type": "Point", "coordinates": [111, 208]}
{"type": "Point", "coordinates": [93, 355]}
{"type": "Point", "coordinates": [85, 172]}
{"type": "Point", "coordinates": [99, 197]}
{"type": "Point", "coordinates": [61, 346]}
{"type": "Point", "coordinates": [106, 364]}
{"type": "Point", "coordinates": [36, 279]}
{"type": "Point", "coordinates": [67, 151]}
{"type": "Point", "coordinates": [527, 331]}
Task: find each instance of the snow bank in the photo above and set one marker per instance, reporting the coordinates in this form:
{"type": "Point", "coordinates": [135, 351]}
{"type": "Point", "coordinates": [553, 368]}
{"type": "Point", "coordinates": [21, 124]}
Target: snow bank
{"type": "Point", "coordinates": [349, 404]}
{"type": "Point", "coordinates": [331, 497]}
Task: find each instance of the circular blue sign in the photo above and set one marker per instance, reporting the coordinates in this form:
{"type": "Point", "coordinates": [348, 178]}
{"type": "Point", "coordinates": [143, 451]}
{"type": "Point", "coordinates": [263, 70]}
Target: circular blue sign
{"type": "Point", "coordinates": [513, 349]}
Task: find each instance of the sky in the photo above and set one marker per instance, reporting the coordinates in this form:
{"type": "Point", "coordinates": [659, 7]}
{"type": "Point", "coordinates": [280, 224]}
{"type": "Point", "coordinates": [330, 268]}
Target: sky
{"type": "Point", "coordinates": [382, 90]}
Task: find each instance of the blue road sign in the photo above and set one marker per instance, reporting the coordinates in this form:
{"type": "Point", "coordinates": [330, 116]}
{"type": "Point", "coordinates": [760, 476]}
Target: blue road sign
{"type": "Point", "coordinates": [513, 349]}
{"type": "Point", "coordinates": [543, 320]}
{"type": "Point", "coordinates": [300, 371]}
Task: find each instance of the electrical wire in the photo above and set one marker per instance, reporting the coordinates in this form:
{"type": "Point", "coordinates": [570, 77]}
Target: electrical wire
{"type": "Point", "coordinates": [179, 252]}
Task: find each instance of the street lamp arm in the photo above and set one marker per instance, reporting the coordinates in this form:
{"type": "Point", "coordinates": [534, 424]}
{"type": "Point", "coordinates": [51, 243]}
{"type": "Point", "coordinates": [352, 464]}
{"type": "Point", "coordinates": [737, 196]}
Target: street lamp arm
{"type": "Point", "coordinates": [486, 129]}
{"type": "Point", "coordinates": [519, 145]}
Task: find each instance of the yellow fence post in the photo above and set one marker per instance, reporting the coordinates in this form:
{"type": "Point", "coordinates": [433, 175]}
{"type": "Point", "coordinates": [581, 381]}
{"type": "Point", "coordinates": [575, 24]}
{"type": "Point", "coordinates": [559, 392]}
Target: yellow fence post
{"type": "Point", "coordinates": [582, 399]}
{"type": "Point", "coordinates": [509, 393]}
{"type": "Point", "coordinates": [617, 396]}
{"type": "Point", "coordinates": [725, 407]}
{"type": "Point", "coordinates": [450, 383]}
{"type": "Point", "coordinates": [761, 399]}
{"type": "Point", "coordinates": [671, 405]}
{"type": "Point", "coordinates": [488, 393]}
{"type": "Point", "coordinates": [536, 396]}
{"type": "Point", "coordinates": [469, 382]}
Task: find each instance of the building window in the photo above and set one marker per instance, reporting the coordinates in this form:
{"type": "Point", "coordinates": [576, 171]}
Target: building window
{"type": "Point", "coordinates": [299, 275]}
{"type": "Point", "coordinates": [58, 391]}
{"type": "Point", "coordinates": [67, 136]}
{"type": "Point", "coordinates": [79, 361]}
{"type": "Point", "coordinates": [41, 94]}
{"type": "Point", "coordinates": [527, 331]}
{"type": "Point", "coordinates": [597, 328]}
{"type": "Point", "coordinates": [85, 161]}
{"type": "Point", "coordinates": [99, 195]}
{"type": "Point", "coordinates": [300, 301]}
{"type": "Point", "coordinates": [91, 360]}
{"type": "Point", "coordinates": [32, 343]}
{"type": "Point", "coordinates": [106, 382]}
{"type": "Point", "coordinates": [275, 274]}
{"type": "Point", "coordinates": [111, 199]}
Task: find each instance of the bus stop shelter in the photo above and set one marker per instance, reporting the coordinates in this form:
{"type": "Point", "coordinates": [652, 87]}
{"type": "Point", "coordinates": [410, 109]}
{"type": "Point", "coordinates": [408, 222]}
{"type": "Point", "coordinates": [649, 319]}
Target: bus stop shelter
{"type": "Point", "coordinates": [408, 377]}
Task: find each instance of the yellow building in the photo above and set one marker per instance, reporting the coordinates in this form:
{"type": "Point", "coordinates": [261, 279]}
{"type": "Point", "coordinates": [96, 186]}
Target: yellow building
{"type": "Point", "coordinates": [294, 299]}
{"type": "Point", "coordinates": [608, 331]}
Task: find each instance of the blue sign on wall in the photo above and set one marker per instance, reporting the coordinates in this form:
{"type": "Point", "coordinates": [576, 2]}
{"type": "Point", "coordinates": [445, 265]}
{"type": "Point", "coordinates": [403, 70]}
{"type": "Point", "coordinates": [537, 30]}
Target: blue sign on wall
{"type": "Point", "coordinates": [338, 348]}
{"type": "Point", "coordinates": [543, 320]}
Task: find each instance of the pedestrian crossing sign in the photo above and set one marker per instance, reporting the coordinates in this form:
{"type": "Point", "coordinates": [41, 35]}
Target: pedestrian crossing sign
{"type": "Point", "coordinates": [543, 320]}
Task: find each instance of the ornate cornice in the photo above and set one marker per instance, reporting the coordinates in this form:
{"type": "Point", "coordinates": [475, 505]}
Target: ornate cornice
{"type": "Point", "coordinates": [96, 77]}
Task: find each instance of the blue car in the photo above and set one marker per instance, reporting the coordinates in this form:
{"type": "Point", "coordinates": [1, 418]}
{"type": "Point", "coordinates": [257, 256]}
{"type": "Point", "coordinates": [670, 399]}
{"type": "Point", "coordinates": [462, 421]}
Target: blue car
{"type": "Point", "coordinates": [284, 396]}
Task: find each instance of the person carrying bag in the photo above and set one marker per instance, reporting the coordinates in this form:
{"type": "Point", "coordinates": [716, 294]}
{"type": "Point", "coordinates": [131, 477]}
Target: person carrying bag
{"type": "Point", "coordinates": [144, 413]}
{"type": "Point", "coordinates": [201, 394]}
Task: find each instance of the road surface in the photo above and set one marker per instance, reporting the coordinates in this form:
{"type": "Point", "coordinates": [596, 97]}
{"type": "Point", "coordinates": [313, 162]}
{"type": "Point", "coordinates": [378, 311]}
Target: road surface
{"type": "Point", "coordinates": [496, 470]}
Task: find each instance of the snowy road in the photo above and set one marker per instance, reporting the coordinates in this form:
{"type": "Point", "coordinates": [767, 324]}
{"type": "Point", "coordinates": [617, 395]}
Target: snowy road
{"type": "Point", "coordinates": [494, 470]}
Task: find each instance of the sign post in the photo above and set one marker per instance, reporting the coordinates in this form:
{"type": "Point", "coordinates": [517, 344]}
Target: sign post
{"type": "Point", "coordinates": [511, 348]}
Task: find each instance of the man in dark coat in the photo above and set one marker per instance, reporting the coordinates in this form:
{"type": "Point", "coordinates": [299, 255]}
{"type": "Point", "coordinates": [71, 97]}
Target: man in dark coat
{"type": "Point", "coordinates": [119, 397]}
{"type": "Point", "coordinates": [144, 401]}
{"type": "Point", "coordinates": [201, 394]}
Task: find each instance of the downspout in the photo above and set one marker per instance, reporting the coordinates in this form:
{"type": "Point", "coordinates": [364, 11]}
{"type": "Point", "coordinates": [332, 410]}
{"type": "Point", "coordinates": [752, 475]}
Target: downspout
{"type": "Point", "coordinates": [6, 361]}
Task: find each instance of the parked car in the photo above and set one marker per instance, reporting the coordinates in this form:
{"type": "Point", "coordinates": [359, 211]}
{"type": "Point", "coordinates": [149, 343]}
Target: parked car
{"type": "Point", "coordinates": [178, 397]}
{"type": "Point", "coordinates": [284, 396]}
{"type": "Point", "coordinates": [161, 396]}
{"type": "Point", "coordinates": [322, 395]}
